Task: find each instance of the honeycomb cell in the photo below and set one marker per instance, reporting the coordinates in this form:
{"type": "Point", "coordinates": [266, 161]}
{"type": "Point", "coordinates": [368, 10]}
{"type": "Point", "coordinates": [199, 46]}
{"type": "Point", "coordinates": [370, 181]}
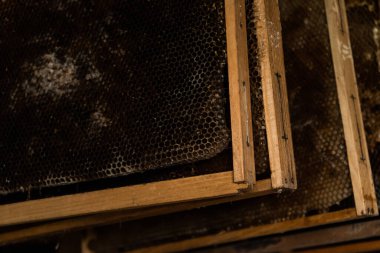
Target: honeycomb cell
{"type": "Point", "coordinates": [94, 89]}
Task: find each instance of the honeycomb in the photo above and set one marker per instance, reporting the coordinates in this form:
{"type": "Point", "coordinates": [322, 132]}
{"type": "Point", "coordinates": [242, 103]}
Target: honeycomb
{"type": "Point", "coordinates": [99, 89]}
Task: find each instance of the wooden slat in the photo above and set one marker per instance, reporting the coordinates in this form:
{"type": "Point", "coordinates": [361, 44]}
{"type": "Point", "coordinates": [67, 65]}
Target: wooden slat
{"type": "Point", "coordinates": [303, 240]}
{"type": "Point", "coordinates": [130, 197]}
{"type": "Point", "coordinates": [358, 247]}
{"type": "Point", "coordinates": [262, 187]}
{"type": "Point", "coordinates": [243, 234]}
{"type": "Point", "coordinates": [239, 91]}
{"type": "Point", "coordinates": [357, 151]}
{"type": "Point", "coordinates": [280, 144]}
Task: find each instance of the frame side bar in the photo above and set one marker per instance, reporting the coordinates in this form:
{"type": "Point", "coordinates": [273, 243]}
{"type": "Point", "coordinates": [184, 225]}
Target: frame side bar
{"type": "Point", "coordinates": [279, 134]}
{"type": "Point", "coordinates": [239, 89]}
{"type": "Point", "coordinates": [261, 188]}
{"type": "Point", "coordinates": [357, 151]}
{"type": "Point", "coordinates": [123, 198]}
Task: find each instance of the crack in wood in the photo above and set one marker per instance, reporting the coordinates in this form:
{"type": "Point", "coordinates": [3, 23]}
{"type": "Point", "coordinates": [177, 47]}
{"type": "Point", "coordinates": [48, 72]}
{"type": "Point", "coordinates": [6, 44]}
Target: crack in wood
{"type": "Point", "coordinates": [284, 135]}
{"type": "Point", "coordinates": [246, 113]}
{"type": "Point", "coordinates": [358, 129]}
{"type": "Point", "coordinates": [340, 13]}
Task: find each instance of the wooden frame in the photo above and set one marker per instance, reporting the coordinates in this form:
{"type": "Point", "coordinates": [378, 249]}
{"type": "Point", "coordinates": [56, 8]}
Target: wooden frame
{"type": "Point", "coordinates": [238, 184]}
{"type": "Point", "coordinates": [263, 187]}
{"type": "Point", "coordinates": [252, 232]}
{"type": "Point", "coordinates": [139, 196]}
{"type": "Point", "coordinates": [363, 190]}
{"type": "Point", "coordinates": [239, 90]}
{"type": "Point", "coordinates": [279, 133]}
{"type": "Point", "coordinates": [355, 247]}
{"type": "Point", "coordinates": [275, 98]}
{"type": "Point", "coordinates": [331, 238]}
{"type": "Point", "coordinates": [325, 237]}
{"type": "Point", "coordinates": [357, 152]}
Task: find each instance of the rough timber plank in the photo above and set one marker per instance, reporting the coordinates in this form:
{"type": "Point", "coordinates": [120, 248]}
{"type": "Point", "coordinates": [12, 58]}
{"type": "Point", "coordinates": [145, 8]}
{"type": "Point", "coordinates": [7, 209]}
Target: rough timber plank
{"type": "Point", "coordinates": [280, 144]}
{"type": "Point", "coordinates": [358, 157]}
{"type": "Point", "coordinates": [130, 197]}
{"type": "Point", "coordinates": [262, 187]}
{"type": "Point", "coordinates": [358, 247]}
{"type": "Point", "coordinates": [243, 234]}
{"type": "Point", "coordinates": [239, 90]}
{"type": "Point", "coordinates": [303, 240]}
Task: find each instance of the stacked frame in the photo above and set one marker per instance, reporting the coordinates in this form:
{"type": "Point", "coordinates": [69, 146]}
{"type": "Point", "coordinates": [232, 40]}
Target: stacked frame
{"type": "Point", "coordinates": [226, 186]}
{"type": "Point", "coordinates": [364, 200]}
{"type": "Point", "coordinates": [364, 203]}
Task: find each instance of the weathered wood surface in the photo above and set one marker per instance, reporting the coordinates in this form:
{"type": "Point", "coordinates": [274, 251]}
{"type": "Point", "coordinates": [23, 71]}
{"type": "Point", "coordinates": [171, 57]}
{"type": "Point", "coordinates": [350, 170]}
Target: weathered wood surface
{"type": "Point", "coordinates": [262, 187]}
{"type": "Point", "coordinates": [322, 237]}
{"type": "Point", "coordinates": [239, 91]}
{"type": "Point", "coordinates": [357, 150]}
{"type": "Point", "coordinates": [279, 134]}
{"type": "Point", "coordinates": [241, 234]}
{"type": "Point", "coordinates": [130, 197]}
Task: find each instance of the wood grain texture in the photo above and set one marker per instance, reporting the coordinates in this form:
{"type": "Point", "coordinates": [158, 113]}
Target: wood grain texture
{"type": "Point", "coordinates": [261, 188]}
{"type": "Point", "coordinates": [357, 151]}
{"type": "Point", "coordinates": [130, 197]}
{"type": "Point", "coordinates": [243, 234]}
{"type": "Point", "coordinates": [369, 246]}
{"type": "Point", "coordinates": [239, 92]}
{"type": "Point", "coordinates": [279, 135]}
{"type": "Point", "coordinates": [303, 240]}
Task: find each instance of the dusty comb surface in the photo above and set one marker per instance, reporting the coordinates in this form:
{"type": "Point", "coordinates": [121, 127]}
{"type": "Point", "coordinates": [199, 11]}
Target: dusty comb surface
{"type": "Point", "coordinates": [364, 22]}
{"type": "Point", "coordinates": [320, 150]}
{"type": "Point", "coordinates": [97, 89]}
